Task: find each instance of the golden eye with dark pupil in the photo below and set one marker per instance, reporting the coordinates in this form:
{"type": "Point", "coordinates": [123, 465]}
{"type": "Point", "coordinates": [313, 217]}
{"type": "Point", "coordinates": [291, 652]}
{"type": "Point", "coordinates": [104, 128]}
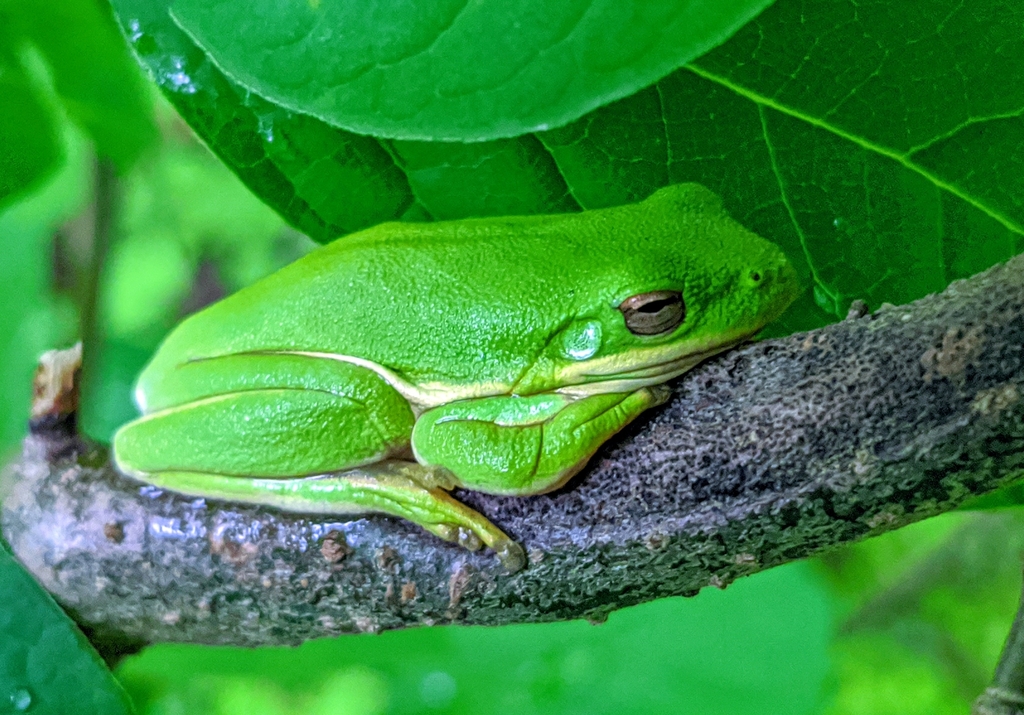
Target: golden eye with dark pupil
{"type": "Point", "coordinates": [654, 313]}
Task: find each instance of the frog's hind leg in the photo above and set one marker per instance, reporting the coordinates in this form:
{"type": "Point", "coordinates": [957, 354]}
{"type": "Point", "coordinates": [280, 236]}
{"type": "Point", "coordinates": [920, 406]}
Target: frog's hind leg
{"type": "Point", "coordinates": [265, 433]}
{"type": "Point", "coordinates": [265, 430]}
{"type": "Point", "coordinates": [404, 489]}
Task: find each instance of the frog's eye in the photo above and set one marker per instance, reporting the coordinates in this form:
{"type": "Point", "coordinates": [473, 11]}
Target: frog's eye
{"type": "Point", "coordinates": [654, 313]}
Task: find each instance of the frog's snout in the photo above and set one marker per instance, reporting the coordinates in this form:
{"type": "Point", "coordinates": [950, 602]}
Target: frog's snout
{"type": "Point", "coordinates": [775, 281]}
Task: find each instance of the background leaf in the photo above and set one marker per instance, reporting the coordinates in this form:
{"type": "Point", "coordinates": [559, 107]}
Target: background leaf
{"type": "Point", "coordinates": [455, 70]}
{"type": "Point", "coordinates": [46, 665]}
{"type": "Point", "coordinates": [92, 74]}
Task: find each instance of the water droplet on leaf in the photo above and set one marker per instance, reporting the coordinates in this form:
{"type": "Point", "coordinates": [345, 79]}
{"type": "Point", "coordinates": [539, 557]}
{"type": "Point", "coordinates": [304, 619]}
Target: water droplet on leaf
{"type": "Point", "coordinates": [438, 689]}
{"type": "Point", "coordinates": [21, 699]}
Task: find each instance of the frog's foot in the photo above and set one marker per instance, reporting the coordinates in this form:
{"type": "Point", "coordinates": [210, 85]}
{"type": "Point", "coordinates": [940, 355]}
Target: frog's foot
{"type": "Point", "coordinates": [403, 489]}
{"type": "Point", "coordinates": [509, 553]}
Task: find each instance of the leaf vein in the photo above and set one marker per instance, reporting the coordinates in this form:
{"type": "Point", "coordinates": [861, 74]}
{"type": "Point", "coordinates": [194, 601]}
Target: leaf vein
{"type": "Point", "coordinates": [561, 174]}
{"type": "Point", "coordinates": [903, 159]}
{"type": "Point", "coordinates": [969, 122]}
{"type": "Point", "coordinates": [785, 198]}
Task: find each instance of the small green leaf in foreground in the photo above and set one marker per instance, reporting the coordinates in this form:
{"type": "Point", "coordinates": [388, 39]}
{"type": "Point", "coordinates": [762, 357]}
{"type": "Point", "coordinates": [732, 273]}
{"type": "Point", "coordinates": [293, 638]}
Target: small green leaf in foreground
{"type": "Point", "coordinates": [453, 70]}
{"type": "Point", "coordinates": [46, 665]}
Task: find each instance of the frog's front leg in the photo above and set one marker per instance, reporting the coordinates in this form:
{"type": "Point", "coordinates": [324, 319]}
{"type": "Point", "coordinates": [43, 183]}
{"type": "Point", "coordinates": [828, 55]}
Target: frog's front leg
{"type": "Point", "coordinates": [524, 445]}
{"type": "Point", "coordinates": [299, 434]}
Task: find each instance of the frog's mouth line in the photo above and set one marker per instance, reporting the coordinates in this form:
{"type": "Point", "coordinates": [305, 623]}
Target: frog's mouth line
{"type": "Point", "coordinates": [602, 376]}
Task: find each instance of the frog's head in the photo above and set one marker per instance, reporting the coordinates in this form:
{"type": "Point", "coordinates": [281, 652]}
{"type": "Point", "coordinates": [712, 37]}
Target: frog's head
{"type": "Point", "coordinates": [683, 283]}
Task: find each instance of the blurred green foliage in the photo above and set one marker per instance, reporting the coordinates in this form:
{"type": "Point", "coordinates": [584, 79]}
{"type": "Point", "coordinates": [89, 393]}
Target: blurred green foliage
{"type": "Point", "coordinates": [65, 58]}
{"type": "Point", "coordinates": [923, 612]}
{"type": "Point", "coordinates": [33, 318]}
{"type": "Point", "coordinates": [29, 148]}
{"type": "Point", "coordinates": [875, 143]}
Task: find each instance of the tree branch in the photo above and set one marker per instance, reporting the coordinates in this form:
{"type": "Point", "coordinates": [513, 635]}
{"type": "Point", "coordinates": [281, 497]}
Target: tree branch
{"type": "Point", "coordinates": [767, 454]}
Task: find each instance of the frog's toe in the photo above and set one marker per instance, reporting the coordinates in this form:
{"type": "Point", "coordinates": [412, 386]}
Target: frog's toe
{"type": "Point", "coordinates": [469, 540]}
{"type": "Point", "coordinates": [511, 555]}
{"type": "Point", "coordinates": [457, 534]}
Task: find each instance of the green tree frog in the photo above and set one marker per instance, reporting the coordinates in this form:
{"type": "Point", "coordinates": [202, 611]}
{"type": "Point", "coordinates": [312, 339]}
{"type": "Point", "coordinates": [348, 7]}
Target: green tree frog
{"type": "Point", "coordinates": [493, 354]}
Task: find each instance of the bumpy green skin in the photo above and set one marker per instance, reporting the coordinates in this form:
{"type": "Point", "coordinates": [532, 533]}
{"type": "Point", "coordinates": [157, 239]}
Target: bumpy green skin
{"type": "Point", "coordinates": [491, 351]}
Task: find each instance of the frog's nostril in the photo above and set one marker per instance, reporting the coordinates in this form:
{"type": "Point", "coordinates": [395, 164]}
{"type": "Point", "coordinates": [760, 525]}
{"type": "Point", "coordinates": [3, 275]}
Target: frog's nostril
{"type": "Point", "coordinates": [759, 277]}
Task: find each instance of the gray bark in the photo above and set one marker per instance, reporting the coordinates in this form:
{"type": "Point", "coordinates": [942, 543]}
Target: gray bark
{"type": "Point", "coordinates": [764, 455]}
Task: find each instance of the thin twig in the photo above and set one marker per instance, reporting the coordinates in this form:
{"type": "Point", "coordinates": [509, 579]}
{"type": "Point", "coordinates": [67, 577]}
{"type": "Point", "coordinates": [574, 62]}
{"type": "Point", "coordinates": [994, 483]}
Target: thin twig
{"type": "Point", "coordinates": [105, 197]}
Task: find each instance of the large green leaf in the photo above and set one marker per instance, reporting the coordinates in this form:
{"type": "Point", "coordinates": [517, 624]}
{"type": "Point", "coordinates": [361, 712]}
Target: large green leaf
{"type": "Point", "coordinates": [46, 665]}
{"type": "Point", "coordinates": [453, 70]}
{"type": "Point", "coordinates": [931, 95]}
{"type": "Point", "coordinates": [876, 143]}
{"type": "Point", "coordinates": [324, 181]}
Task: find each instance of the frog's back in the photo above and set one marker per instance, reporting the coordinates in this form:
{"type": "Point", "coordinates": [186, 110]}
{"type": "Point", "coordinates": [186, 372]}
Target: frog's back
{"type": "Point", "coordinates": [457, 301]}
